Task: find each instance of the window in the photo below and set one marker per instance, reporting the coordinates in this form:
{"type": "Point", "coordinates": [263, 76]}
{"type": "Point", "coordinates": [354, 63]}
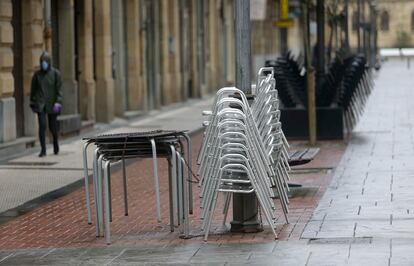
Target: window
{"type": "Point", "coordinates": [385, 21]}
{"type": "Point", "coordinates": [355, 21]}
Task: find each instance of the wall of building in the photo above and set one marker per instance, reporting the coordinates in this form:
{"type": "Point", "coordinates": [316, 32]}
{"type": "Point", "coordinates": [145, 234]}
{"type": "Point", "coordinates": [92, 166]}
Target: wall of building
{"type": "Point", "coordinates": [117, 58]}
{"type": "Point", "coordinates": [7, 102]}
{"type": "Point", "coordinates": [400, 16]}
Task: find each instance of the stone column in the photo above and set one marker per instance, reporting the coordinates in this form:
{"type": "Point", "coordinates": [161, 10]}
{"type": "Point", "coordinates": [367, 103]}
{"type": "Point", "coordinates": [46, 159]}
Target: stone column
{"type": "Point", "coordinates": [166, 82]}
{"type": "Point", "coordinates": [103, 54]}
{"type": "Point", "coordinates": [178, 75]}
{"type": "Point", "coordinates": [67, 56]}
{"type": "Point", "coordinates": [33, 46]}
{"type": "Point", "coordinates": [157, 55]}
{"type": "Point", "coordinates": [7, 102]}
{"type": "Point", "coordinates": [213, 45]}
{"type": "Point", "coordinates": [136, 93]}
{"type": "Point", "coordinates": [185, 50]}
{"type": "Point", "coordinates": [118, 56]}
{"type": "Point", "coordinates": [86, 61]}
{"type": "Point", "coordinates": [195, 77]}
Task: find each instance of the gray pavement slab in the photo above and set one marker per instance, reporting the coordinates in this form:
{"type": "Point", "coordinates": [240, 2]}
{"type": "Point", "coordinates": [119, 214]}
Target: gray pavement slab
{"type": "Point", "coordinates": [366, 216]}
{"type": "Point", "coordinates": [29, 177]}
{"type": "Point", "coordinates": [371, 191]}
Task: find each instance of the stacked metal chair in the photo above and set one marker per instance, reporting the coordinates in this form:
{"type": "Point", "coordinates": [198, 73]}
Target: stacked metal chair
{"type": "Point", "coordinates": [327, 91]}
{"type": "Point", "coordinates": [115, 148]}
{"type": "Point", "coordinates": [290, 83]}
{"type": "Point", "coordinates": [354, 90]}
{"type": "Point", "coordinates": [244, 151]}
{"type": "Point", "coordinates": [347, 84]}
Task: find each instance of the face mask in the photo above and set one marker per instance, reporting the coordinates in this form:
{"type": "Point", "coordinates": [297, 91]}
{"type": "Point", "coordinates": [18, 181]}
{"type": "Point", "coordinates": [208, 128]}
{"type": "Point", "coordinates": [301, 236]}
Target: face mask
{"type": "Point", "coordinates": [44, 65]}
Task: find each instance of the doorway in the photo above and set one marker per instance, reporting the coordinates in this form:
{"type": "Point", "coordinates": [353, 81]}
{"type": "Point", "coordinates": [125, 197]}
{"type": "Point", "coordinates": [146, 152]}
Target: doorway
{"type": "Point", "coordinates": [18, 66]}
{"type": "Point", "coordinates": [55, 34]}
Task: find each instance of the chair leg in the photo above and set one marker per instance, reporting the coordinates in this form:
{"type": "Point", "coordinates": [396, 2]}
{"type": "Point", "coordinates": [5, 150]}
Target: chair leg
{"type": "Point", "coordinates": [156, 180]}
{"type": "Point", "coordinates": [125, 188]}
{"type": "Point", "coordinates": [107, 204]}
{"type": "Point", "coordinates": [86, 177]}
{"type": "Point", "coordinates": [96, 190]}
{"type": "Point", "coordinates": [110, 192]}
{"type": "Point", "coordinates": [170, 194]}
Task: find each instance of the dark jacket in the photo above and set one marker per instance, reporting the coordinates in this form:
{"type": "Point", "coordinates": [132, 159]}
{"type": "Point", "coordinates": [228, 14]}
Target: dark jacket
{"type": "Point", "coordinates": [46, 90]}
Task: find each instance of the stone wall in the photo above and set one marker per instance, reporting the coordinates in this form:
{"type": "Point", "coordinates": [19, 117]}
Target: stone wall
{"type": "Point", "coordinates": [7, 102]}
{"type": "Point", "coordinates": [399, 20]}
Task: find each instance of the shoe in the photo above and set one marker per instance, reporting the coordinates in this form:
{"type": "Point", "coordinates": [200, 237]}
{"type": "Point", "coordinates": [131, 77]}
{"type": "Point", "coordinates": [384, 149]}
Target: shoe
{"type": "Point", "coordinates": [42, 154]}
{"type": "Point", "coordinates": [56, 151]}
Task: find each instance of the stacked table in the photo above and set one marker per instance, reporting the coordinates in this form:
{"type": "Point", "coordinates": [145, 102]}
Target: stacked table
{"type": "Point", "coordinates": [116, 148]}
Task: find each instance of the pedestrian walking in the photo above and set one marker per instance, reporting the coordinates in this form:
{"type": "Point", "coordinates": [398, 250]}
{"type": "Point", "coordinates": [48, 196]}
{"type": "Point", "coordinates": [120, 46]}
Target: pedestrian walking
{"type": "Point", "coordinates": [46, 100]}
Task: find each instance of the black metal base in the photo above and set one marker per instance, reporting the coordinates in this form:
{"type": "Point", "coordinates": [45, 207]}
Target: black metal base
{"type": "Point", "coordinates": [245, 212]}
{"type": "Point", "coordinates": [246, 227]}
{"type": "Point", "coordinates": [329, 123]}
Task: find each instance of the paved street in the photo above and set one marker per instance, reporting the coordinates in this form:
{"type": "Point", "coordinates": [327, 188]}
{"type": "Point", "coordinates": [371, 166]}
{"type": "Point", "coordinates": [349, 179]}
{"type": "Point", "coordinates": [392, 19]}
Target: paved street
{"type": "Point", "coordinates": [29, 177]}
{"type": "Point", "coordinates": [371, 195]}
{"type": "Point", "coordinates": [356, 207]}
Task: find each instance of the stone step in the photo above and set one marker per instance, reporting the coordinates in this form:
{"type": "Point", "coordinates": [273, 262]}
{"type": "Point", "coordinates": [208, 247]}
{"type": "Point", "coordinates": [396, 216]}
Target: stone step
{"type": "Point", "coordinates": [10, 149]}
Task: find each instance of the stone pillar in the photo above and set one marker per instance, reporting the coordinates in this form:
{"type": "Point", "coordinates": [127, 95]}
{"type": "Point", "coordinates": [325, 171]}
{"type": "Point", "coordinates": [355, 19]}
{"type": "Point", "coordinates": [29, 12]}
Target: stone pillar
{"type": "Point", "coordinates": [70, 120]}
{"type": "Point", "coordinates": [213, 45]}
{"type": "Point", "coordinates": [86, 61]}
{"type": "Point", "coordinates": [66, 48]}
{"type": "Point", "coordinates": [7, 102]}
{"type": "Point", "coordinates": [195, 76]}
{"type": "Point", "coordinates": [166, 45]}
{"type": "Point", "coordinates": [118, 56]}
{"type": "Point", "coordinates": [178, 74]}
{"type": "Point", "coordinates": [33, 45]}
{"type": "Point", "coordinates": [185, 49]}
{"type": "Point", "coordinates": [136, 93]}
{"type": "Point", "coordinates": [157, 54]}
{"type": "Point", "coordinates": [103, 54]}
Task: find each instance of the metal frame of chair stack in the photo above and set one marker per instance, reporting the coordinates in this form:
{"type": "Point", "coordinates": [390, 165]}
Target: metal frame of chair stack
{"type": "Point", "coordinates": [116, 148]}
{"type": "Point", "coordinates": [244, 151]}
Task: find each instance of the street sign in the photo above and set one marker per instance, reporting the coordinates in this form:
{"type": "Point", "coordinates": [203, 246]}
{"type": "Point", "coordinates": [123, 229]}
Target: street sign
{"type": "Point", "coordinates": [285, 23]}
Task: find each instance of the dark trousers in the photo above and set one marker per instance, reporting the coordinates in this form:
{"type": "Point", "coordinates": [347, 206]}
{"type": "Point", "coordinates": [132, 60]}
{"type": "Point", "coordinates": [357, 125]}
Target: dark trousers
{"type": "Point", "coordinates": [53, 127]}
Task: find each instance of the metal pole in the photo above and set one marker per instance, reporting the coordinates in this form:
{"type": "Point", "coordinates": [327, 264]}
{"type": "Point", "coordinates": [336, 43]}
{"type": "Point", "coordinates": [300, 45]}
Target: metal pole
{"type": "Point", "coordinates": [283, 41]}
{"type": "Point", "coordinates": [283, 16]}
{"type": "Point", "coordinates": [244, 205]}
{"type": "Point", "coordinates": [310, 77]}
{"type": "Point", "coordinates": [243, 52]}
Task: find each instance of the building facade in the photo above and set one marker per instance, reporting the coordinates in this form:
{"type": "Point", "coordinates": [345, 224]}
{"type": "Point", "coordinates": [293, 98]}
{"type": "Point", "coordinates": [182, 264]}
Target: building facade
{"type": "Point", "coordinates": [395, 22]}
{"type": "Point", "coordinates": [118, 58]}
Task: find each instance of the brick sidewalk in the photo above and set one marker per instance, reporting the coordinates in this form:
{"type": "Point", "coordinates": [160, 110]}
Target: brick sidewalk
{"type": "Point", "coordinates": [62, 223]}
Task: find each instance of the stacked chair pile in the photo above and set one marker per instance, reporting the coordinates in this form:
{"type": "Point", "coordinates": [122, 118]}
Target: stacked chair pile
{"type": "Point", "coordinates": [114, 148]}
{"type": "Point", "coordinates": [244, 150]}
{"type": "Point", "coordinates": [347, 84]}
{"type": "Point", "coordinates": [354, 90]}
{"type": "Point", "coordinates": [291, 84]}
